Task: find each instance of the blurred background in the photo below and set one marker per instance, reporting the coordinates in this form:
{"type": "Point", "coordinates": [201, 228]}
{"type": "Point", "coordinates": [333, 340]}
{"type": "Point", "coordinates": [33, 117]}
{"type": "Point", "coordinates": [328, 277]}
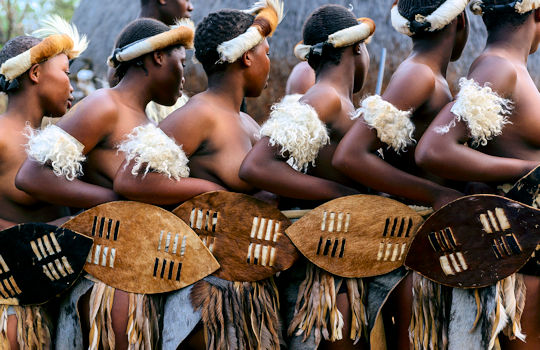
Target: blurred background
{"type": "Point", "coordinates": [102, 20]}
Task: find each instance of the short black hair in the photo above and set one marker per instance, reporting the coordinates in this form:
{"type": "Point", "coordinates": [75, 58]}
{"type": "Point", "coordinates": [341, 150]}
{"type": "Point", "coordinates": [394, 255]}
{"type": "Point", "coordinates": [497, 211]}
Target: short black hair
{"type": "Point", "coordinates": [410, 8]}
{"type": "Point", "coordinates": [499, 17]}
{"type": "Point", "coordinates": [215, 29]}
{"type": "Point", "coordinates": [16, 46]}
{"type": "Point", "coordinates": [325, 21]}
{"type": "Point", "coordinates": [138, 29]}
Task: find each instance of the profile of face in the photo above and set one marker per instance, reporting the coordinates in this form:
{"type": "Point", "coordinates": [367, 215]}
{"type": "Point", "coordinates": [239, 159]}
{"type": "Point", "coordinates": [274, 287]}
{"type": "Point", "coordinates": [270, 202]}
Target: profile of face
{"type": "Point", "coordinates": [536, 40]}
{"type": "Point", "coordinates": [462, 35]}
{"type": "Point", "coordinates": [361, 64]}
{"type": "Point", "coordinates": [257, 62]}
{"type": "Point", "coordinates": [170, 76]}
{"type": "Point", "coordinates": [171, 10]}
{"type": "Point", "coordinates": [51, 79]}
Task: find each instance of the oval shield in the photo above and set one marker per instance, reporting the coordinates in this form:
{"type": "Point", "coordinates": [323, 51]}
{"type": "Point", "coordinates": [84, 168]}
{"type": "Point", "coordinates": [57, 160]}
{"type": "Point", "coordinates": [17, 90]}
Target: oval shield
{"type": "Point", "coordinates": [245, 234]}
{"type": "Point", "coordinates": [140, 248]}
{"type": "Point", "coordinates": [38, 262]}
{"type": "Point", "coordinates": [356, 236]}
{"type": "Point", "coordinates": [475, 241]}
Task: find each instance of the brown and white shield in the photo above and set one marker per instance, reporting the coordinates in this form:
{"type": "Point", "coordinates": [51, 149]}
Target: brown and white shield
{"type": "Point", "coordinates": [245, 234]}
{"type": "Point", "coordinates": [38, 262]}
{"type": "Point", "coordinates": [140, 248]}
{"type": "Point", "coordinates": [527, 191]}
{"type": "Point", "coordinates": [475, 241]}
{"type": "Point", "coordinates": [356, 236]}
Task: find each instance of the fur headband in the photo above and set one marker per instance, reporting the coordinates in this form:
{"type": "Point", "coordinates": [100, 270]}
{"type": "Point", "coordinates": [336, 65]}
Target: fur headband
{"type": "Point", "coordinates": [521, 6]}
{"type": "Point", "coordinates": [345, 37]}
{"type": "Point", "coordinates": [269, 14]}
{"type": "Point", "coordinates": [60, 37]}
{"type": "Point", "coordinates": [437, 20]}
{"type": "Point", "coordinates": [182, 33]}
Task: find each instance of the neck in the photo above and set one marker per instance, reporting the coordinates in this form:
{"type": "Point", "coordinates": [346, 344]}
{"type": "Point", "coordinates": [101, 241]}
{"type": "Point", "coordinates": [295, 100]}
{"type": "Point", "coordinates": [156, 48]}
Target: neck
{"type": "Point", "coordinates": [134, 89]}
{"type": "Point", "coordinates": [514, 42]}
{"type": "Point", "coordinates": [340, 76]}
{"type": "Point", "coordinates": [149, 12]}
{"type": "Point", "coordinates": [229, 87]}
{"type": "Point", "coordinates": [435, 49]}
{"type": "Point", "coordinates": [25, 107]}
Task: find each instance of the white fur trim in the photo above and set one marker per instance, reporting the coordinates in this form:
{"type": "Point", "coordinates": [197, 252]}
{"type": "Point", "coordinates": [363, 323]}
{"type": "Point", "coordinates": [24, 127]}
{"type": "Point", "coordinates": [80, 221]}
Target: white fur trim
{"type": "Point", "coordinates": [484, 112]}
{"type": "Point", "coordinates": [394, 127]}
{"type": "Point", "coordinates": [439, 19]}
{"type": "Point", "coordinates": [297, 129]}
{"type": "Point", "coordinates": [157, 113]}
{"type": "Point", "coordinates": [56, 147]}
{"type": "Point", "coordinates": [351, 35]}
{"type": "Point", "coordinates": [276, 5]}
{"type": "Point", "coordinates": [57, 25]}
{"type": "Point", "coordinates": [15, 66]}
{"type": "Point", "coordinates": [301, 51]}
{"type": "Point", "coordinates": [527, 5]}
{"type": "Point", "coordinates": [148, 146]}
{"type": "Point", "coordinates": [232, 50]}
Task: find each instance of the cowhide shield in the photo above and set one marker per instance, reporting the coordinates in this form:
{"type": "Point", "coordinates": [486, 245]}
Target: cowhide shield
{"type": "Point", "coordinates": [140, 248]}
{"type": "Point", "coordinates": [527, 191]}
{"type": "Point", "coordinates": [475, 241]}
{"type": "Point", "coordinates": [356, 236]}
{"type": "Point", "coordinates": [38, 262]}
{"type": "Point", "coordinates": [245, 234]}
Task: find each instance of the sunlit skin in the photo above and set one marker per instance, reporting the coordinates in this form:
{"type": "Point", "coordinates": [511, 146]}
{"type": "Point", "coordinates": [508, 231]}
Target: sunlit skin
{"type": "Point", "coordinates": [45, 90]}
{"type": "Point", "coordinates": [301, 79]}
{"type": "Point", "coordinates": [502, 64]}
{"type": "Point", "coordinates": [397, 174]}
{"type": "Point", "coordinates": [265, 168]}
{"type": "Point", "coordinates": [100, 122]}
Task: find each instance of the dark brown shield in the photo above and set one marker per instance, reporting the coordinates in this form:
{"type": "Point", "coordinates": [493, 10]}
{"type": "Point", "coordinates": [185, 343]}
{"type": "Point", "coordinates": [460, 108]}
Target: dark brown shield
{"type": "Point", "coordinates": [527, 191]}
{"type": "Point", "coordinates": [356, 236]}
{"type": "Point", "coordinates": [475, 241]}
{"type": "Point", "coordinates": [38, 262]}
{"type": "Point", "coordinates": [245, 234]}
{"type": "Point", "coordinates": [140, 248]}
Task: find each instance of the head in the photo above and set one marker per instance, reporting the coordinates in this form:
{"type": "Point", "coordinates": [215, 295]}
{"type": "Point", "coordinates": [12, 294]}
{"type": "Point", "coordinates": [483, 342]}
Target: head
{"type": "Point", "coordinates": [163, 68]}
{"type": "Point", "coordinates": [502, 19]}
{"type": "Point", "coordinates": [168, 11]}
{"type": "Point", "coordinates": [325, 21]}
{"type": "Point", "coordinates": [225, 25]}
{"type": "Point", "coordinates": [459, 25]}
{"type": "Point", "coordinates": [48, 80]}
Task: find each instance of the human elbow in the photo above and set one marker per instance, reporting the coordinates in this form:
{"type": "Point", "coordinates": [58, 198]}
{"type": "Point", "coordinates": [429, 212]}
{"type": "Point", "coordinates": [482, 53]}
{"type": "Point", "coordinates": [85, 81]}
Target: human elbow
{"type": "Point", "coordinates": [343, 159]}
{"type": "Point", "coordinates": [428, 156]}
{"type": "Point", "coordinates": [25, 181]}
{"type": "Point", "coordinates": [248, 171]}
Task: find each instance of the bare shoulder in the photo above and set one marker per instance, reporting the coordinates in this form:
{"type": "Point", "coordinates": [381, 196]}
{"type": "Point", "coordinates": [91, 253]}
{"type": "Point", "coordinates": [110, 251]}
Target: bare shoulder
{"type": "Point", "coordinates": [197, 113]}
{"type": "Point", "coordinates": [100, 106]}
{"type": "Point", "coordinates": [417, 79]}
{"type": "Point", "coordinates": [499, 72]}
{"type": "Point", "coordinates": [325, 100]}
{"type": "Point", "coordinates": [249, 120]}
{"type": "Point", "coordinates": [302, 78]}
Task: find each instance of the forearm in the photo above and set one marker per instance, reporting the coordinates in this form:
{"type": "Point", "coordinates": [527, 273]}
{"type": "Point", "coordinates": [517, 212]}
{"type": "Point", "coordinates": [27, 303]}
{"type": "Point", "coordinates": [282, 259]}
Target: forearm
{"type": "Point", "coordinates": [278, 177]}
{"type": "Point", "coordinates": [5, 224]}
{"type": "Point", "coordinates": [371, 171]}
{"type": "Point", "coordinates": [41, 183]}
{"type": "Point", "coordinates": [462, 163]}
{"type": "Point", "coordinates": [158, 189]}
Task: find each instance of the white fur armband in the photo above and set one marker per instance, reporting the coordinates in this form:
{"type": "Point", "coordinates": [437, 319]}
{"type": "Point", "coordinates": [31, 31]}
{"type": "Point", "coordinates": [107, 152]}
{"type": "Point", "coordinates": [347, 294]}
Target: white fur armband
{"type": "Point", "coordinates": [394, 127]}
{"type": "Point", "coordinates": [296, 127]}
{"type": "Point", "coordinates": [148, 145]}
{"type": "Point", "coordinates": [484, 112]}
{"type": "Point", "coordinates": [56, 147]}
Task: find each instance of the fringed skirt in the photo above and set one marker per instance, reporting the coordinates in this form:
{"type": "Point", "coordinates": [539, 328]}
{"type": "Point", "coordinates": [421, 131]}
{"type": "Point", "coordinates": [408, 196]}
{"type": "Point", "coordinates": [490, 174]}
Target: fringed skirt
{"type": "Point", "coordinates": [33, 327]}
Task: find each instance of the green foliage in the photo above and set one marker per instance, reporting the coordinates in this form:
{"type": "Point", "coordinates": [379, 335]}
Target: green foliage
{"type": "Point", "coordinates": [22, 16]}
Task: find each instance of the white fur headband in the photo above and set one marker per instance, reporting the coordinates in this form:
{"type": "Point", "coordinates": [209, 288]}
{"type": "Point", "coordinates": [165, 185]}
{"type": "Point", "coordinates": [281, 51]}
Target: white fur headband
{"type": "Point", "coordinates": [437, 20]}
{"type": "Point", "coordinates": [60, 37]}
{"type": "Point", "coordinates": [269, 14]}
{"type": "Point", "coordinates": [342, 38]}
{"type": "Point", "coordinates": [523, 6]}
{"type": "Point", "coordinates": [180, 34]}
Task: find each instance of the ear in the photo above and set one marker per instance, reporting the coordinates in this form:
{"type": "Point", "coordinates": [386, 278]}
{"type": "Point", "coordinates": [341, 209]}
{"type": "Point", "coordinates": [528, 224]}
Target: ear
{"type": "Point", "coordinates": [247, 59]}
{"type": "Point", "coordinates": [158, 57]}
{"type": "Point", "coordinates": [34, 73]}
{"type": "Point", "coordinates": [357, 49]}
{"type": "Point", "coordinates": [462, 21]}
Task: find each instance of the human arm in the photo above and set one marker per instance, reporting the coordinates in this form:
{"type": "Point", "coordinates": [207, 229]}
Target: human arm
{"type": "Point", "coordinates": [446, 153]}
{"type": "Point", "coordinates": [356, 154]}
{"type": "Point", "coordinates": [79, 133]}
{"type": "Point", "coordinates": [5, 224]}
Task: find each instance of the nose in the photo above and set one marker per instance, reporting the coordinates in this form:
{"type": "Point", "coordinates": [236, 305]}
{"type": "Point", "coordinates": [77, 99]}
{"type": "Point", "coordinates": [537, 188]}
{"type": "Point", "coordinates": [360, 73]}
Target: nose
{"type": "Point", "coordinates": [190, 6]}
{"type": "Point", "coordinates": [70, 88]}
{"type": "Point", "coordinates": [183, 80]}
